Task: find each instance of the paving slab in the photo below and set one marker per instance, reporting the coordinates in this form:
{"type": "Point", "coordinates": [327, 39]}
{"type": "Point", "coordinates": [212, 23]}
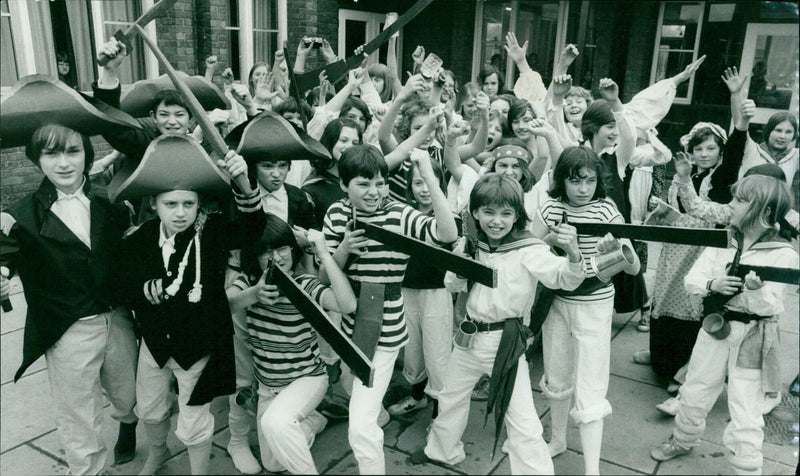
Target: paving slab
{"type": "Point", "coordinates": [624, 345]}
{"type": "Point", "coordinates": [706, 458]}
{"type": "Point", "coordinates": [570, 462]}
{"type": "Point", "coordinates": [220, 463]}
{"type": "Point", "coordinates": [23, 410]}
{"type": "Point", "coordinates": [14, 319]}
{"type": "Point", "coordinates": [395, 464]}
{"type": "Point", "coordinates": [771, 467]}
{"type": "Point", "coordinates": [27, 460]}
{"type": "Point", "coordinates": [11, 357]}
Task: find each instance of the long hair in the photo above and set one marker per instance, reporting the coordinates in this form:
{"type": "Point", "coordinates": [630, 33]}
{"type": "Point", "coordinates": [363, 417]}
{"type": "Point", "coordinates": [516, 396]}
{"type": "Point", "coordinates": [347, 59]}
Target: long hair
{"type": "Point", "coordinates": [437, 170]}
{"type": "Point", "coordinates": [517, 110]}
{"type": "Point", "coordinates": [769, 199]}
{"type": "Point", "coordinates": [330, 136]}
{"type": "Point", "coordinates": [489, 70]}
{"type": "Point", "coordinates": [596, 116]}
{"type": "Point", "coordinates": [56, 137]}
{"type": "Point", "coordinates": [527, 181]}
{"type": "Point", "coordinates": [466, 91]}
{"type": "Point", "coordinates": [776, 119]}
{"type": "Point", "coordinates": [250, 76]}
{"type": "Point", "coordinates": [498, 190]}
{"type": "Point", "coordinates": [410, 110]}
{"type": "Point", "coordinates": [570, 163]}
{"type": "Point", "coordinates": [379, 70]}
{"type": "Point", "coordinates": [277, 234]}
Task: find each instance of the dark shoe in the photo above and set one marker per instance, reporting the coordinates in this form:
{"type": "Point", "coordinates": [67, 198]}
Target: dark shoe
{"type": "Point", "coordinates": [125, 449]}
{"type": "Point", "coordinates": [419, 457]}
{"type": "Point", "coordinates": [481, 391]}
{"type": "Point", "coordinates": [333, 410]}
{"type": "Point", "coordinates": [334, 372]}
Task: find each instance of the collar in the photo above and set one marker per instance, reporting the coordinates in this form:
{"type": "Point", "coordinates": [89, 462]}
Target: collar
{"type": "Point", "coordinates": [47, 193]}
{"type": "Point", "coordinates": [79, 193]}
{"type": "Point", "coordinates": [279, 194]}
{"type": "Point", "coordinates": [512, 241]}
{"type": "Point", "coordinates": [162, 237]}
{"type": "Point", "coordinates": [766, 152]}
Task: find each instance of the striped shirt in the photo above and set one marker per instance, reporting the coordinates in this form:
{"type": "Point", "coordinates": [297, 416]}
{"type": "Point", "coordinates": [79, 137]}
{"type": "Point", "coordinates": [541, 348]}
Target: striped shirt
{"type": "Point", "coordinates": [596, 211]}
{"type": "Point", "coordinates": [380, 264]}
{"type": "Point", "coordinates": [397, 179]}
{"type": "Point", "coordinates": [282, 342]}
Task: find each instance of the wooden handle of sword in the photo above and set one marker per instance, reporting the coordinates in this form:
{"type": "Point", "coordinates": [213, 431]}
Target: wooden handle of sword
{"type": "Point", "coordinates": [210, 132]}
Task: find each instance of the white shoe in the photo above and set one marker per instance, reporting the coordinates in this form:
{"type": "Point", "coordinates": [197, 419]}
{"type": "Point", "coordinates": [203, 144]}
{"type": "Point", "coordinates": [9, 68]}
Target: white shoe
{"type": "Point", "coordinates": [407, 405]}
{"type": "Point", "coordinates": [383, 417]}
{"type": "Point", "coordinates": [770, 403]}
{"type": "Point", "coordinates": [243, 458]}
{"type": "Point", "coordinates": [504, 448]}
{"type": "Point", "coordinates": [670, 406]}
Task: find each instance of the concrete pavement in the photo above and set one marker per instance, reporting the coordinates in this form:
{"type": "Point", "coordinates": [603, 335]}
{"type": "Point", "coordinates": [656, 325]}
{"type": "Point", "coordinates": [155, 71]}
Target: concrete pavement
{"type": "Point", "coordinates": [29, 442]}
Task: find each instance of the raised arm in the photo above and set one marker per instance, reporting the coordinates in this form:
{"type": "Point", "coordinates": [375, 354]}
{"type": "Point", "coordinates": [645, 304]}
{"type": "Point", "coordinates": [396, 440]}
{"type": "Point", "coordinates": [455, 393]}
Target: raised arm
{"type": "Point", "coordinates": [737, 85]}
{"type": "Point", "coordinates": [627, 135]}
{"type": "Point", "coordinates": [398, 155]}
{"type": "Point", "coordinates": [387, 142]}
{"type": "Point", "coordinates": [542, 128]}
{"type": "Point", "coordinates": [452, 160]}
{"type": "Point", "coordinates": [446, 230]}
{"type": "Point", "coordinates": [354, 79]}
{"type": "Point", "coordinates": [303, 48]}
{"type": "Point", "coordinates": [342, 298]}
{"type": "Point", "coordinates": [481, 138]}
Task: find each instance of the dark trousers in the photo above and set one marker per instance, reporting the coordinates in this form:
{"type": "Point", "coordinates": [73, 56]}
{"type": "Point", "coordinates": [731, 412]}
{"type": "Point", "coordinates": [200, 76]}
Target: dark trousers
{"type": "Point", "coordinates": [671, 344]}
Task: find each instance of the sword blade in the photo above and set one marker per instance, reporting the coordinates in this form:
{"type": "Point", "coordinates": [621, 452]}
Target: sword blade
{"type": "Point", "coordinates": [665, 234]}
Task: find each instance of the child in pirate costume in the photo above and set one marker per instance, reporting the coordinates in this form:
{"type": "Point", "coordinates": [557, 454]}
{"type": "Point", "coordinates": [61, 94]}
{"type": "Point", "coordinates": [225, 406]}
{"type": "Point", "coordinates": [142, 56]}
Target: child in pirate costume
{"type": "Point", "coordinates": [63, 240]}
{"type": "Point", "coordinates": [291, 376]}
{"type": "Point", "coordinates": [521, 260]}
{"type": "Point", "coordinates": [269, 144]}
{"type": "Point", "coordinates": [173, 277]}
{"type": "Point", "coordinates": [376, 272]}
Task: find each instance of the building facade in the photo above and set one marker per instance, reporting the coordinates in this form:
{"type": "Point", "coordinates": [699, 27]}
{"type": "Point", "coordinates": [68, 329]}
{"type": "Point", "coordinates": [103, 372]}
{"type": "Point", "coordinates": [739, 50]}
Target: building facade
{"type": "Point", "coordinates": [634, 43]}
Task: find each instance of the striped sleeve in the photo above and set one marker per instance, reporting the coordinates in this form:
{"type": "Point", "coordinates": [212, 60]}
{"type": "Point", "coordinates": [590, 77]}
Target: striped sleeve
{"type": "Point", "coordinates": [241, 283]}
{"type": "Point", "coordinates": [247, 203]}
{"type": "Point", "coordinates": [334, 225]}
{"type": "Point", "coordinates": [418, 225]}
{"type": "Point", "coordinates": [313, 286]}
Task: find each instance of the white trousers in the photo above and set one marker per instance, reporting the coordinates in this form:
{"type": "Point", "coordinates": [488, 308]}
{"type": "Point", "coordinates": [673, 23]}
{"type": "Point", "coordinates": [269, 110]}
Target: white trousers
{"type": "Point", "coordinates": [711, 360]}
{"type": "Point", "coordinates": [576, 339]}
{"type": "Point", "coordinates": [364, 434]}
{"type": "Point", "coordinates": [238, 418]}
{"type": "Point", "coordinates": [195, 422]}
{"type": "Point", "coordinates": [528, 452]}
{"type": "Point", "coordinates": [429, 320]}
{"type": "Point", "coordinates": [95, 356]}
{"type": "Point", "coordinates": [284, 435]}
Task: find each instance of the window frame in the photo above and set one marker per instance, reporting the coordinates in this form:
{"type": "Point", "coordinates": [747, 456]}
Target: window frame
{"type": "Point", "coordinates": [477, 42]}
{"type": "Point", "coordinates": [99, 22]}
{"type": "Point", "coordinates": [247, 34]}
{"type": "Point", "coordinates": [373, 29]}
{"type": "Point", "coordinates": [654, 66]}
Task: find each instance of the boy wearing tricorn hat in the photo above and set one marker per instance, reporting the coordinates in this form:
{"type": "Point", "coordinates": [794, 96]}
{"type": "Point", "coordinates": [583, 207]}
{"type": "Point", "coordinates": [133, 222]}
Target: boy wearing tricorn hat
{"type": "Point", "coordinates": [63, 240]}
{"type": "Point", "coordinates": [173, 277]}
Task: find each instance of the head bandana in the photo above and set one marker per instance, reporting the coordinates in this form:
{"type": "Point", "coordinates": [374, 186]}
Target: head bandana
{"type": "Point", "coordinates": [515, 151]}
{"type": "Point", "coordinates": [715, 129]}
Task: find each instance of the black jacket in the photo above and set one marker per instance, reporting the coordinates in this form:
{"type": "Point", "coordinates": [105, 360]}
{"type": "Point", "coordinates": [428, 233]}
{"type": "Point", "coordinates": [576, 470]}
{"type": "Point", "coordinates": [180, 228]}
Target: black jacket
{"type": "Point", "coordinates": [64, 280]}
{"type": "Point", "coordinates": [178, 328]}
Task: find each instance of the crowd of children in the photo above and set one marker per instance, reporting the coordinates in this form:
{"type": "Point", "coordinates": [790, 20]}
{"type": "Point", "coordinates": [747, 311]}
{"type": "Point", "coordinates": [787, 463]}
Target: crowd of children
{"type": "Point", "coordinates": [162, 245]}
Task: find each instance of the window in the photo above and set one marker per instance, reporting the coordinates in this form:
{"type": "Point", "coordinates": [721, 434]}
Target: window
{"type": "Point", "coordinates": [541, 24]}
{"type": "Point", "coordinates": [677, 43]}
{"type": "Point", "coordinates": [254, 32]}
{"type": "Point", "coordinates": [356, 28]}
{"type": "Point", "coordinates": [8, 58]}
{"type": "Point", "coordinates": [108, 17]}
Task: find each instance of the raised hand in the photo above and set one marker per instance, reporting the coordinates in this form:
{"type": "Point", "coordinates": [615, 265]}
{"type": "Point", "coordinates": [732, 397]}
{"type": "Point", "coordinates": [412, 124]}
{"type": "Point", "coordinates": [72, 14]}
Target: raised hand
{"type": "Point", "coordinates": [608, 90]}
{"type": "Point", "coordinates": [540, 127]}
{"type": "Point", "coordinates": [562, 85]}
{"type": "Point", "coordinates": [515, 52]}
{"type": "Point", "coordinates": [689, 70]}
{"type": "Point", "coordinates": [263, 87]}
{"type": "Point", "coordinates": [435, 117]}
{"type": "Point", "coordinates": [327, 51]}
{"type": "Point", "coordinates": [115, 50]}
{"type": "Point", "coordinates": [415, 83]}
{"type": "Point", "coordinates": [233, 164]}
{"type": "Point", "coordinates": [418, 55]}
{"type": "Point", "coordinates": [356, 76]}
{"type": "Point", "coordinates": [316, 238]}
{"type": "Point", "coordinates": [683, 166]}
{"type": "Point", "coordinates": [482, 103]}
{"type": "Point", "coordinates": [568, 55]}
{"type": "Point", "coordinates": [734, 80]}
{"type": "Point", "coordinates": [457, 130]}
{"type": "Point", "coordinates": [211, 63]}
{"type": "Point", "coordinates": [241, 94]}
{"type": "Point", "coordinates": [305, 46]}
{"type": "Point", "coordinates": [748, 109]}
{"type": "Point", "coordinates": [227, 76]}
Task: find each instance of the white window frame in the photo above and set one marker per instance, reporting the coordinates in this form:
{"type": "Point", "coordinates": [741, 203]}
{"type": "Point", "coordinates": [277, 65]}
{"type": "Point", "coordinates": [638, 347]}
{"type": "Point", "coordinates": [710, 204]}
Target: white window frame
{"type": "Point", "coordinates": [246, 29]}
{"type": "Point", "coordinates": [656, 50]}
{"type": "Point", "coordinates": [373, 21]}
{"type": "Point", "coordinates": [22, 38]}
{"type": "Point", "coordinates": [98, 22]}
{"type": "Point", "coordinates": [477, 42]}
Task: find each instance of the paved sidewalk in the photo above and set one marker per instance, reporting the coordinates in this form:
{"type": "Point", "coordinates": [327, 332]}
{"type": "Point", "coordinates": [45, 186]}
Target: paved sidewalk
{"type": "Point", "coordinates": [29, 443]}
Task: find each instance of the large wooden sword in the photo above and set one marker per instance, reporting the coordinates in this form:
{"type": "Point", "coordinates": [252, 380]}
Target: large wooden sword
{"type": "Point", "coordinates": [210, 132]}
{"type": "Point", "coordinates": [124, 37]}
{"type": "Point", "coordinates": [338, 69]}
{"type": "Point", "coordinates": [431, 255]}
{"type": "Point", "coordinates": [359, 364]}
{"type": "Point", "coordinates": [665, 234]}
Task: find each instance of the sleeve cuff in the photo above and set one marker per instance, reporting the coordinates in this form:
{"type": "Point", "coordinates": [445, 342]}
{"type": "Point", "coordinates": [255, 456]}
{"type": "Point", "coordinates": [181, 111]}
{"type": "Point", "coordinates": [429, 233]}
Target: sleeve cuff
{"type": "Point", "coordinates": [247, 203]}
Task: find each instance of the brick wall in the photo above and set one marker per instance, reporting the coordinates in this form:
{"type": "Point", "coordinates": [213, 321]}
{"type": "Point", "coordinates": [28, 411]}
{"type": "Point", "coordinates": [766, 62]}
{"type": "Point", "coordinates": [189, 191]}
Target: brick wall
{"type": "Point", "coordinates": [210, 36]}
{"type": "Point", "coordinates": [640, 48]}
{"type": "Point", "coordinates": [311, 18]}
{"type": "Point", "coordinates": [19, 177]}
{"type": "Point", "coordinates": [176, 36]}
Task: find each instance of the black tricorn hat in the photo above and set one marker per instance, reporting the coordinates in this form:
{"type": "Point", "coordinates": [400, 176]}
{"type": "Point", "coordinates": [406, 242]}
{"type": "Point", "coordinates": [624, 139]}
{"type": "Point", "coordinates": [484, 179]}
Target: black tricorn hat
{"type": "Point", "coordinates": [39, 99]}
{"type": "Point", "coordinates": [171, 162]}
{"type": "Point", "coordinates": [269, 136]}
{"type": "Point", "coordinates": [138, 101]}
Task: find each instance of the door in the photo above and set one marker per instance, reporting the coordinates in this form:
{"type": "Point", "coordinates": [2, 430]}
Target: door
{"type": "Point", "coordinates": [770, 53]}
{"type": "Point", "coordinates": [357, 28]}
